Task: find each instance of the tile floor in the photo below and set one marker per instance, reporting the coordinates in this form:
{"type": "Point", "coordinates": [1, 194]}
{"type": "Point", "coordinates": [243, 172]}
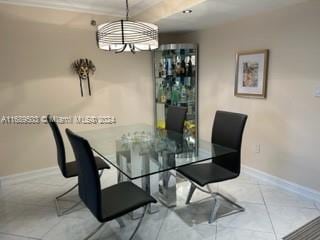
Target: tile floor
{"type": "Point", "coordinates": [27, 212]}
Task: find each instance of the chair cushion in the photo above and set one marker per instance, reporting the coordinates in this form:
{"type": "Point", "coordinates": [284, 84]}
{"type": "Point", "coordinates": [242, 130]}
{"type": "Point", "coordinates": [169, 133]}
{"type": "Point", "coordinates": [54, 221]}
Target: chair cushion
{"type": "Point", "coordinates": [121, 199]}
{"type": "Point", "coordinates": [206, 173]}
{"type": "Point", "coordinates": [72, 167]}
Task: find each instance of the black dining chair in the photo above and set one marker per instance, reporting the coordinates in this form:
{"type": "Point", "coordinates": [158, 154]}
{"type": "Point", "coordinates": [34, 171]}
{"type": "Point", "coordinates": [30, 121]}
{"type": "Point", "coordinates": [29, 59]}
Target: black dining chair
{"type": "Point", "coordinates": [175, 118]}
{"type": "Point", "coordinates": [68, 169]}
{"type": "Point", "coordinates": [112, 202]}
{"type": "Point", "coordinates": [227, 131]}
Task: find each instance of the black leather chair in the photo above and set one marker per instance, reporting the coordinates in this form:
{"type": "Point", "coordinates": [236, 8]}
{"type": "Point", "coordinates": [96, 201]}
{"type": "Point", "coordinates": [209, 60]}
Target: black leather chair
{"type": "Point", "coordinates": [112, 202]}
{"type": "Point", "coordinates": [227, 130]}
{"type": "Point", "coordinates": [175, 118]}
{"type": "Point", "coordinates": [68, 169]}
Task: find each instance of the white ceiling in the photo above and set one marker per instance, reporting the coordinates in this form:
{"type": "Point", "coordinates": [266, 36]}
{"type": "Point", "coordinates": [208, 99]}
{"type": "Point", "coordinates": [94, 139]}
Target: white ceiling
{"type": "Point", "coordinates": [207, 13]}
{"type": "Point", "coordinates": [214, 12]}
{"type": "Point", "coordinates": [107, 7]}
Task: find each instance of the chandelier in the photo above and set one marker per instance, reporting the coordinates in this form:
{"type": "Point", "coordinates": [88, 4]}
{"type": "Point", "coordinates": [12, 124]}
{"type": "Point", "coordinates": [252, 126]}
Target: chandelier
{"type": "Point", "coordinates": [125, 35]}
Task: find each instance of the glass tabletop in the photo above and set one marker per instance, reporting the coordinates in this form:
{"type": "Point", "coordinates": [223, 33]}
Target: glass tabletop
{"type": "Point", "coordinates": [141, 150]}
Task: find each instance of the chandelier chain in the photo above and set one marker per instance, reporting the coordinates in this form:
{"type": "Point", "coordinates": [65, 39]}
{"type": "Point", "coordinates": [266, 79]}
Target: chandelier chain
{"type": "Point", "coordinates": [127, 7]}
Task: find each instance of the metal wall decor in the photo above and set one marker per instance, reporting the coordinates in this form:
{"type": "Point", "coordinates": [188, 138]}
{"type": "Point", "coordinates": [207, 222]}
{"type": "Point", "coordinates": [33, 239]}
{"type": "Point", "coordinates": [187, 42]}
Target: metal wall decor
{"type": "Point", "coordinates": [126, 35]}
{"type": "Point", "coordinates": [83, 67]}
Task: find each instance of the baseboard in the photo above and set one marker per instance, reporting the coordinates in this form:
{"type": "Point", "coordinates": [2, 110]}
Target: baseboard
{"type": "Point", "coordinates": [27, 176]}
{"type": "Point", "coordinates": [282, 183]}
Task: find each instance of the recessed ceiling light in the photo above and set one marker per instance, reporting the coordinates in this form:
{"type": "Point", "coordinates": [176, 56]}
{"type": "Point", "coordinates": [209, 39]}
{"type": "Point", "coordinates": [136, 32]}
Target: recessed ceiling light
{"type": "Point", "coordinates": [187, 11]}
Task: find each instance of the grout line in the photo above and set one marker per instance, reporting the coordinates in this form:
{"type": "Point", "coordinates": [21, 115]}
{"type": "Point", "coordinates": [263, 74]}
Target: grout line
{"type": "Point", "coordinates": [265, 204]}
{"type": "Point", "coordinates": [216, 233]}
{"type": "Point", "coordinates": [217, 221]}
{"type": "Point", "coordinates": [21, 236]}
{"type": "Point", "coordinates": [42, 237]}
{"type": "Point", "coordinates": [245, 229]}
{"type": "Point", "coordinates": [162, 223]}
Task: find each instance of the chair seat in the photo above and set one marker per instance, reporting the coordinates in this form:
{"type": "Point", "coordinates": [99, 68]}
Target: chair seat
{"type": "Point", "coordinates": [206, 173]}
{"type": "Point", "coordinates": [121, 199]}
{"type": "Point", "coordinates": [72, 167]}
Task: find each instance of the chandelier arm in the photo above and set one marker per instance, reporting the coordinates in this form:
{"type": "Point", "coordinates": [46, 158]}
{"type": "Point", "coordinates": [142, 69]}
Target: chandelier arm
{"type": "Point", "coordinates": [122, 50]}
{"type": "Point", "coordinates": [132, 48]}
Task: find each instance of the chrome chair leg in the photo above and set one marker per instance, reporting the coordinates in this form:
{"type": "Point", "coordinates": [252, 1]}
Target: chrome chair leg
{"type": "Point", "coordinates": [216, 203]}
{"type": "Point", "coordinates": [240, 208]}
{"type": "Point", "coordinates": [58, 210]}
{"type": "Point", "coordinates": [65, 193]}
{"type": "Point", "coordinates": [94, 231]}
{"type": "Point", "coordinates": [121, 222]}
{"type": "Point", "coordinates": [191, 191]}
{"type": "Point", "coordinates": [139, 223]}
{"type": "Point", "coordinates": [215, 208]}
{"type": "Point", "coordinates": [69, 209]}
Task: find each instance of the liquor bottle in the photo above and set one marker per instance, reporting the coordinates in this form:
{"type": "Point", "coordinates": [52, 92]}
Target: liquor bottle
{"type": "Point", "coordinates": [183, 68]}
{"type": "Point", "coordinates": [178, 68]}
{"type": "Point", "coordinates": [163, 97]}
{"type": "Point", "coordinates": [169, 71]}
{"type": "Point", "coordinates": [159, 93]}
{"type": "Point", "coordinates": [168, 94]}
{"type": "Point", "coordinates": [175, 94]}
{"type": "Point", "coordinates": [183, 98]}
{"type": "Point", "coordinates": [162, 94]}
{"type": "Point", "coordinates": [190, 101]}
{"type": "Point", "coordinates": [190, 109]}
{"type": "Point", "coordinates": [189, 67]}
{"type": "Point", "coordinates": [160, 70]}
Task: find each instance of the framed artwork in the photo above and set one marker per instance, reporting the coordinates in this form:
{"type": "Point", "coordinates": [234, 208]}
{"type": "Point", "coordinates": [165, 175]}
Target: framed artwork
{"type": "Point", "coordinates": [252, 74]}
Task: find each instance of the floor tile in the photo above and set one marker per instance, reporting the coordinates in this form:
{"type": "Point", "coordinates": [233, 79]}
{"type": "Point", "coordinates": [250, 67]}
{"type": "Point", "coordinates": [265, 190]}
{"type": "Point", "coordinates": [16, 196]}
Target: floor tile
{"type": "Point", "coordinates": [31, 193]}
{"type": "Point", "coordinates": [148, 230]}
{"type": "Point", "coordinates": [254, 218]}
{"type": "Point", "coordinates": [53, 180]}
{"type": "Point", "coordinates": [194, 213]}
{"type": "Point", "coordinates": [72, 229]}
{"type": "Point", "coordinates": [287, 219]}
{"type": "Point", "coordinates": [32, 221]}
{"type": "Point", "coordinates": [195, 232]}
{"type": "Point", "coordinates": [245, 178]}
{"type": "Point", "coordinates": [240, 234]}
{"type": "Point", "coordinates": [317, 204]}
{"type": "Point", "coordinates": [183, 190]}
{"type": "Point", "coordinates": [241, 192]}
{"type": "Point", "coordinates": [27, 210]}
{"type": "Point", "coordinates": [276, 196]}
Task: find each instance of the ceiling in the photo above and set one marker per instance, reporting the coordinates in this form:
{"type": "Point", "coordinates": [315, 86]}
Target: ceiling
{"type": "Point", "coordinates": [105, 7]}
{"type": "Point", "coordinates": [214, 12]}
{"type": "Point", "coordinates": [167, 13]}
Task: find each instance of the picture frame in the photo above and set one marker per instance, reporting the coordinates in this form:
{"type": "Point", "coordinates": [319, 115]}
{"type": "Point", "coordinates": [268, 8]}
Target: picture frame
{"type": "Point", "coordinates": [252, 73]}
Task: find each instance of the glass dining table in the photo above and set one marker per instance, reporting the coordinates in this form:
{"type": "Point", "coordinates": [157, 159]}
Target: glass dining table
{"type": "Point", "coordinates": [149, 156]}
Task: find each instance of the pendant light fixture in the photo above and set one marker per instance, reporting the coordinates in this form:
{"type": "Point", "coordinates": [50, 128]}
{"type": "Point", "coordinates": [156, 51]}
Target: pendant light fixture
{"type": "Point", "coordinates": [125, 35]}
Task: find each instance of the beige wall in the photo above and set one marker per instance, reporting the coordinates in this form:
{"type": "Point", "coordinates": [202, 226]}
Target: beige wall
{"type": "Point", "coordinates": [37, 47]}
{"type": "Point", "coordinates": [287, 123]}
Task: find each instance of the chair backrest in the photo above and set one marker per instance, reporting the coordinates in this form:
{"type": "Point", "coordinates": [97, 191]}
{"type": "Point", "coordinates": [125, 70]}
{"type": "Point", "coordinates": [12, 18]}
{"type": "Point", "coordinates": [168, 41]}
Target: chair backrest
{"type": "Point", "coordinates": [88, 176]}
{"type": "Point", "coordinates": [227, 130]}
{"type": "Point", "coordinates": [61, 154]}
{"type": "Point", "coordinates": [175, 118]}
